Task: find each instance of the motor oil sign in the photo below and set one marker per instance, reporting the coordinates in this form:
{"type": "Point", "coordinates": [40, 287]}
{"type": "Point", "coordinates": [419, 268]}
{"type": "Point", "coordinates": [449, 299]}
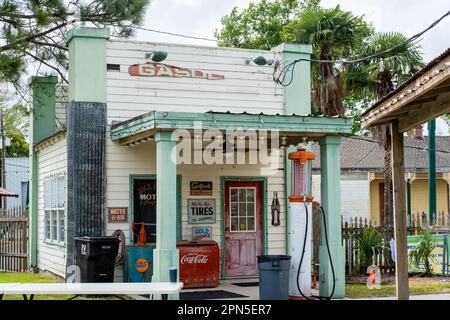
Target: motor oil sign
{"type": "Point", "coordinates": [201, 211]}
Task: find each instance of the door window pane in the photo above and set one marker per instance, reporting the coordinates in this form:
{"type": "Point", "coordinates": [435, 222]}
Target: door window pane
{"type": "Point", "coordinates": [234, 224]}
{"type": "Point", "coordinates": [234, 209]}
{"type": "Point", "coordinates": [242, 209]}
{"type": "Point", "coordinates": [234, 194]}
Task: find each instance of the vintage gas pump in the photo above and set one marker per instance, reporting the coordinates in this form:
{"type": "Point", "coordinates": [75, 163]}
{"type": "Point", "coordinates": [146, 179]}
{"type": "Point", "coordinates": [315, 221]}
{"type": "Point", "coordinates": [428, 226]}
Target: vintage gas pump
{"type": "Point", "coordinates": [300, 223]}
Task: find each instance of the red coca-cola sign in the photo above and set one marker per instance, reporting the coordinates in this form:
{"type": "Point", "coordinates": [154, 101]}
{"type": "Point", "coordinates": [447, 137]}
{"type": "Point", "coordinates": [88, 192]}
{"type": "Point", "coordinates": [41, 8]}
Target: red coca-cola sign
{"type": "Point", "coordinates": [199, 263]}
{"type": "Point", "coordinates": [194, 258]}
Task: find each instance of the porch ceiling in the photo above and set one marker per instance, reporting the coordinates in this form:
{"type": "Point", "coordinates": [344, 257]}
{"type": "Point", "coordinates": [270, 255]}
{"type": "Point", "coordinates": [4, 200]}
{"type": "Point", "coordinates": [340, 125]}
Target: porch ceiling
{"type": "Point", "coordinates": [290, 127]}
{"type": "Point", "coordinates": [424, 97]}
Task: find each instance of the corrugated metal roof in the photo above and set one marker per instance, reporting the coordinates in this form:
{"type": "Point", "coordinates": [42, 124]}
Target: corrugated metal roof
{"type": "Point", "coordinates": [430, 65]}
{"type": "Point", "coordinates": [365, 154]}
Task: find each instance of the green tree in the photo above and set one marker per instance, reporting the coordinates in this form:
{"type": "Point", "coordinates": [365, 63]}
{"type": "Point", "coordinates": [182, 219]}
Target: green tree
{"type": "Point", "coordinates": [36, 29]}
{"type": "Point", "coordinates": [19, 146]}
{"type": "Point", "coordinates": [375, 78]}
{"type": "Point", "coordinates": [334, 34]}
{"type": "Point", "coordinates": [260, 26]}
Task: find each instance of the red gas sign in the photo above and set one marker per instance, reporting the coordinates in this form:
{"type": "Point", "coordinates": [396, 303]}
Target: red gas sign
{"type": "Point", "coordinates": [151, 69]}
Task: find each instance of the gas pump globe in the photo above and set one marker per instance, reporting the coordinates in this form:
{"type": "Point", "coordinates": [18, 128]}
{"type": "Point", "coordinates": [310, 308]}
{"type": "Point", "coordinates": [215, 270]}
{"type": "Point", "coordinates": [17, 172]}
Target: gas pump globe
{"type": "Point", "coordinates": [300, 224]}
{"type": "Point", "coordinates": [301, 175]}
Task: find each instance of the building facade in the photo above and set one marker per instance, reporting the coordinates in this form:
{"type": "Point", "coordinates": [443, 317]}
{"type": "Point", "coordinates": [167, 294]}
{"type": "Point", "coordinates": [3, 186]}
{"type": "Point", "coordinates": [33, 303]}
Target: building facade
{"type": "Point", "coordinates": [134, 140]}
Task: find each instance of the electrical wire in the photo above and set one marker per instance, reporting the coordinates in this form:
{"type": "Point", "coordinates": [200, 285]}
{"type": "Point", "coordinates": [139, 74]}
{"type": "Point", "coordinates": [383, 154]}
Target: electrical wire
{"type": "Point", "coordinates": [173, 34]}
{"type": "Point", "coordinates": [356, 60]}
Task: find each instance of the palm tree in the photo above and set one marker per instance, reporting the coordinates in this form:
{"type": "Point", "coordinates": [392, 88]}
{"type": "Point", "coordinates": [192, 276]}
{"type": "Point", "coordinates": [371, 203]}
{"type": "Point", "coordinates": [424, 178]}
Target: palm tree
{"type": "Point", "coordinates": [379, 76]}
{"type": "Point", "coordinates": [334, 34]}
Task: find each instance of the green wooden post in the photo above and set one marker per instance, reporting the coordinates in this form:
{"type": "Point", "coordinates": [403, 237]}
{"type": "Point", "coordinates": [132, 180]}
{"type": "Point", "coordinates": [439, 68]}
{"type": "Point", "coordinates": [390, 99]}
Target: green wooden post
{"type": "Point", "coordinates": [42, 125]}
{"type": "Point", "coordinates": [432, 170]}
{"type": "Point", "coordinates": [297, 96]}
{"type": "Point", "coordinates": [331, 203]}
{"type": "Point", "coordinates": [166, 254]}
{"type": "Point", "coordinates": [87, 64]}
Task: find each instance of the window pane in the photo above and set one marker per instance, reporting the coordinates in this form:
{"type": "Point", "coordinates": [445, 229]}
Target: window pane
{"type": "Point", "coordinates": [47, 194]}
{"type": "Point", "coordinates": [234, 195]}
{"type": "Point", "coordinates": [242, 195]}
{"type": "Point", "coordinates": [47, 225]}
{"type": "Point", "coordinates": [250, 195]}
{"type": "Point", "coordinates": [234, 224]}
{"type": "Point", "coordinates": [61, 192]}
{"type": "Point", "coordinates": [61, 226]}
{"type": "Point", "coordinates": [54, 191]}
{"type": "Point", "coordinates": [234, 209]}
{"type": "Point", "coordinates": [250, 224]}
{"type": "Point", "coordinates": [242, 209]}
{"type": "Point", "coordinates": [250, 209]}
{"type": "Point", "coordinates": [242, 224]}
{"type": "Point", "coordinates": [54, 225]}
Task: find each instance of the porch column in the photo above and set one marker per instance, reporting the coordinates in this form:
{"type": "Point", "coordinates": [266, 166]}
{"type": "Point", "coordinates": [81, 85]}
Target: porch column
{"type": "Point", "coordinates": [165, 255]}
{"type": "Point", "coordinates": [330, 196]}
{"type": "Point", "coordinates": [400, 236]}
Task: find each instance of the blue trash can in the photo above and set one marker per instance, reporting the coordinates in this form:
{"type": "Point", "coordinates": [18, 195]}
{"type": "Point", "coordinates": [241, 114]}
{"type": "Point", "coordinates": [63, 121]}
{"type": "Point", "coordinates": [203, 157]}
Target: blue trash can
{"type": "Point", "coordinates": [274, 277]}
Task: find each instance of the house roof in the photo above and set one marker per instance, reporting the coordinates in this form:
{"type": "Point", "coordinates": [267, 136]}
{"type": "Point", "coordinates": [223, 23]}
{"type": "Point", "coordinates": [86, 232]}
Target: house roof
{"type": "Point", "coordinates": [365, 154]}
{"type": "Point", "coordinates": [413, 78]}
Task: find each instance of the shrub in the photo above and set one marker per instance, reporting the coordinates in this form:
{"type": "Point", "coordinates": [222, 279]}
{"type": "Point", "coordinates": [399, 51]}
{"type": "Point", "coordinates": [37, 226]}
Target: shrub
{"type": "Point", "coordinates": [422, 252]}
{"type": "Point", "coordinates": [369, 244]}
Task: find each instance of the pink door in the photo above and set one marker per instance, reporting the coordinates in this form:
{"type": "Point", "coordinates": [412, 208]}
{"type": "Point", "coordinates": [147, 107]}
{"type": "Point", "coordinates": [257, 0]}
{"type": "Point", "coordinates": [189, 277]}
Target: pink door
{"type": "Point", "coordinates": [243, 228]}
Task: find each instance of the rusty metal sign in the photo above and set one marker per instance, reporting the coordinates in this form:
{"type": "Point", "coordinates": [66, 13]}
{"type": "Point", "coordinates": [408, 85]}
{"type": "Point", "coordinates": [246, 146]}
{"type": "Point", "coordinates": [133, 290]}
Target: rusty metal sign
{"type": "Point", "coordinates": [151, 69]}
{"type": "Point", "coordinates": [117, 215]}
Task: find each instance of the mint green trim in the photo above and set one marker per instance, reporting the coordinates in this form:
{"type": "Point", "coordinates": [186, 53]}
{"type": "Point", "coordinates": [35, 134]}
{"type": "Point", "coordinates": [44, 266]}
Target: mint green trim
{"type": "Point", "coordinates": [33, 212]}
{"type": "Point", "coordinates": [131, 179]}
{"type": "Point", "coordinates": [87, 64]}
{"type": "Point", "coordinates": [297, 95]}
{"type": "Point", "coordinates": [179, 212]}
{"type": "Point", "coordinates": [156, 121]}
{"type": "Point", "coordinates": [265, 235]}
{"type": "Point", "coordinates": [330, 197]}
{"type": "Point", "coordinates": [43, 114]}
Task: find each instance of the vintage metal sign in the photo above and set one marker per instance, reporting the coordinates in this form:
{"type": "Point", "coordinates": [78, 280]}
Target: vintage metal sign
{"type": "Point", "coordinates": [117, 215]}
{"type": "Point", "coordinates": [201, 211]}
{"type": "Point", "coordinates": [151, 69]}
{"type": "Point", "coordinates": [201, 233]}
{"type": "Point", "coordinates": [201, 188]}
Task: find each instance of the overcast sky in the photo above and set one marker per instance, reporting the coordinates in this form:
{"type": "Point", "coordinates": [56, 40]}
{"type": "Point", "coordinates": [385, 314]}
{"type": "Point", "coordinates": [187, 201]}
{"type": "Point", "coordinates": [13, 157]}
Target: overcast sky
{"type": "Point", "coordinates": [201, 17]}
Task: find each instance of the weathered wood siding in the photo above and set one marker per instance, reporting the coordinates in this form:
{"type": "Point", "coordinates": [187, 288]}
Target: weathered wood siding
{"type": "Point", "coordinates": [122, 162]}
{"type": "Point", "coordinates": [245, 87]}
{"type": "Point", "coordinates": [51, 159]}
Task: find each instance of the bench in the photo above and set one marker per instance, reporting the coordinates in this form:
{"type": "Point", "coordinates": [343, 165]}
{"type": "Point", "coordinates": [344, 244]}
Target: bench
{"type": "Point", "coordinates": [77, 289]}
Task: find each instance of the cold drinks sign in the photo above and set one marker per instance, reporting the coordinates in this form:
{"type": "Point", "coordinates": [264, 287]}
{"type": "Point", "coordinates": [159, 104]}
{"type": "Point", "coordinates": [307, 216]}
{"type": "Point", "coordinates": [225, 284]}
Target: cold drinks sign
{"type": "Point", "coordinates": [201, 211]}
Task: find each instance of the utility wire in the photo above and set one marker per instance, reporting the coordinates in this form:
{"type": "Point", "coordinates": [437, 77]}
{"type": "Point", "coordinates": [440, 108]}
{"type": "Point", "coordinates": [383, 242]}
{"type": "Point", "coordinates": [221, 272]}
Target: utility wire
{"type": "Point", "coordinates": [173, 34]}
{"type": "Point", "coordinates": [281, 77]}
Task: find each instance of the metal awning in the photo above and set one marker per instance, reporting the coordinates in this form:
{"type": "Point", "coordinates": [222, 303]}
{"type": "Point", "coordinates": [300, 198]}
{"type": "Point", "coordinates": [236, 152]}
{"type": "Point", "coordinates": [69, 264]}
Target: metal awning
{"type": "Point", "coordinates": [6, 193]}
{"type": "Point", "coordinates": [292, 127]}
{"type": "Point", "coordinates": [423, 97]}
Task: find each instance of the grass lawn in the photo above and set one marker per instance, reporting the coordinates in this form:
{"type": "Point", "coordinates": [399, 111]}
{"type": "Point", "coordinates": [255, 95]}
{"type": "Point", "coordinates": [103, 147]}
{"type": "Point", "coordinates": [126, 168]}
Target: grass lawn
{"type": "Point", "coordinates": [417, 286]}
{"type": "Point", "coordinates": [38, 278]}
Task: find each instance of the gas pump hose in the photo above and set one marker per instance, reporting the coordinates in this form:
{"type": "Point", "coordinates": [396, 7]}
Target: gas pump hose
{"type": "Point", "coordinates": [329, 255]}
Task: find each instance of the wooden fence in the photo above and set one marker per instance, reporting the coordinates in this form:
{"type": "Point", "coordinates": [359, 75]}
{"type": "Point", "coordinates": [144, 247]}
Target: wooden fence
{"type": "Point", "coordinates": [417, 223]}
{"type": "Point", "coordinates": [14, 240]}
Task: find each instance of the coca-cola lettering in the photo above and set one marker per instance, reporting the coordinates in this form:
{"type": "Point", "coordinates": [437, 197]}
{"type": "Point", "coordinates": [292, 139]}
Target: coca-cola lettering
{"type": "Point", "coordinates": [194, 258]}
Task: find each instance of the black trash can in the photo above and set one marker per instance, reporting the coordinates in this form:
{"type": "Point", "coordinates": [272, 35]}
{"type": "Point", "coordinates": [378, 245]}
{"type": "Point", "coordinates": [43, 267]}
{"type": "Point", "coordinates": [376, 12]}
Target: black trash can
{"type": "Point", "coordinates": [274, 277]}
{"type": "Point", "coordinates": [95, 257]}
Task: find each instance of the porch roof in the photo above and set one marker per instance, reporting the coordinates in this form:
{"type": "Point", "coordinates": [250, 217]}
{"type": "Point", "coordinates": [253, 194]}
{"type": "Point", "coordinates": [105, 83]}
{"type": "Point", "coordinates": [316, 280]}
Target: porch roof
{"type": "Point", "coordinates": [423, 97]}
{"type": "Point", "coordinates": [143, 127]}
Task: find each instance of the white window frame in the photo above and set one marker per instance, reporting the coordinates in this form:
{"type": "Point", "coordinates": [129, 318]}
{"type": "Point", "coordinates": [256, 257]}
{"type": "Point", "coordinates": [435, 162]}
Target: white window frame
{"type": "Point", "coordinates": [246, 202]}
{"type": "Point", "coordinates": [55, 209]}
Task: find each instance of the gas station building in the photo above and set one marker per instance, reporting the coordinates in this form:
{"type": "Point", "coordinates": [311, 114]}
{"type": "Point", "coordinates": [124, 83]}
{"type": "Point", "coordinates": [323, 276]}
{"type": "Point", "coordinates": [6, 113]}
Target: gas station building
{"type": "Point", "coordinates": [129, 140]}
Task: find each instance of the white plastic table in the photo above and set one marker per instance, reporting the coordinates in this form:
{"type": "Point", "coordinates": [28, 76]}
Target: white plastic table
{"type": "Point", "coordinates": [76, 289]}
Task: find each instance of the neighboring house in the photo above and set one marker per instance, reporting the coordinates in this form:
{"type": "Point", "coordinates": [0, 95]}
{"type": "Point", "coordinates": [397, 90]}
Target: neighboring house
{"type": "Point", "coordinates": [362, 178]}
{"type": "Point", "coordinates": [16, 176]}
